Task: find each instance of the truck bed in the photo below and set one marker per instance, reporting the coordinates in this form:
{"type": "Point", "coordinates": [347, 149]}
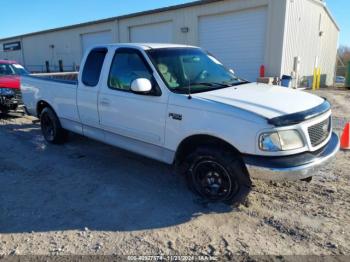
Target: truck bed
{"type": "Point", "coordinates": [59, 93]}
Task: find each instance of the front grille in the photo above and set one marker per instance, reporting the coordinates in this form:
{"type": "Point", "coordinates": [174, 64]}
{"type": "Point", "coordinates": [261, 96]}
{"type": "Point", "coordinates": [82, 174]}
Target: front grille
{"type": "Point", "coordinates": [318, 133]}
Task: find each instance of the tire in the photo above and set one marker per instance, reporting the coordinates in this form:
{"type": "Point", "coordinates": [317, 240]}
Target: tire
{"type": "Point", "coordinates": [51, 127]}
{"type": "Point", "coordinates": [217, 175]}
{"type": "Point", "coordinates": [4, 110]}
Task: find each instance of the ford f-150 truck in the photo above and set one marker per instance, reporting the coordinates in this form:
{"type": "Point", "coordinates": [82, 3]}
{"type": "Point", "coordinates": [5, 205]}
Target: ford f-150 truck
{"type": "Point", "coordinates": [180, 105]}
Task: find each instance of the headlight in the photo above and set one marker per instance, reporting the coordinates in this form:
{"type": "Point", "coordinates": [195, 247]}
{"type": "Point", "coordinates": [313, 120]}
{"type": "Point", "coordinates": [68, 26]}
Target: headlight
{"type": "Point", "coordinates": [280, 141]}
{"type": "Point", "coordinates": [7, 92]}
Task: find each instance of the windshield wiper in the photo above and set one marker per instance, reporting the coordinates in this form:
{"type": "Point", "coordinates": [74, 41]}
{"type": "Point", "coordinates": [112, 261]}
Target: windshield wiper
{"type": "Point", "coordinates": [214, 84]}
{"type": "Point", "coordinates": [241, 82]}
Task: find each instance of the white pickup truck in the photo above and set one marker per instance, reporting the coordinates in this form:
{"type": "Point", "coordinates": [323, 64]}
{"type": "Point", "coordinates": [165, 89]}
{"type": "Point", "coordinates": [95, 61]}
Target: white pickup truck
{"type": "Point", "coordinates": [180, 105]}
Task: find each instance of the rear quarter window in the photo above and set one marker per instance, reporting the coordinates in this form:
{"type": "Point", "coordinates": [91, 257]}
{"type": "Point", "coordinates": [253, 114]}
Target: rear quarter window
{"type": "Point", "coordinates": [93, 66]}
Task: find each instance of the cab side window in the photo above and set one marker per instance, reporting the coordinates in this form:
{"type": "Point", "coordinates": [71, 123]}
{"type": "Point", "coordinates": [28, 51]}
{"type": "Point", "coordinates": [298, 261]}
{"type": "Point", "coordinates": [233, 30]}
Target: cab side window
{"type": "Point", "coordinates": [128, 65]}
{"type": "Point", "coordinates": [93, 66]}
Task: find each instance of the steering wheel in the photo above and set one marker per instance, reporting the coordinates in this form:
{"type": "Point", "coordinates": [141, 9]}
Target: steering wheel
{"type": "Point", "coordinates": [202, 75]}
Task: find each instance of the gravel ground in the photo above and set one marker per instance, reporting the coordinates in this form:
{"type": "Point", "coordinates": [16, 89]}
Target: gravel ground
{"type": "Point", "coordinates": [89, 198]}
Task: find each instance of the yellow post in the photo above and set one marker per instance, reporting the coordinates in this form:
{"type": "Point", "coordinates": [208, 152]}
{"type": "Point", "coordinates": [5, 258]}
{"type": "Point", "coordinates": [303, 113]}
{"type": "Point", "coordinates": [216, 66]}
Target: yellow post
{"type": "Point", "coordinates": [314, 80]}
{"type": "Point", "coordinates": [318, 78]}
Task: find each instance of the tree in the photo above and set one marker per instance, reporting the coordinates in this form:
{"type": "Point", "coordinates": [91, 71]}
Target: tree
{"type": "Point", "coordinates": [344, 55]}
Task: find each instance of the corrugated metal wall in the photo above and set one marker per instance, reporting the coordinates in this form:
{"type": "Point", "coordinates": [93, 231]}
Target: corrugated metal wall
{"type": "Point", "coordinates": [305, 19]}
{"type": "Point", "coordinates": [65, 45]}
{"type": "Point", "coordinates": [292, 29]}
{"type": "Point", "coordinates": [13, 55]}
{"type": "Point", "coordinates": [68, 44]}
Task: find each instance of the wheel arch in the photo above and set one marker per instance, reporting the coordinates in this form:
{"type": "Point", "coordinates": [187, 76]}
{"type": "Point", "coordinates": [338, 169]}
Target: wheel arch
{"type": "Point", "coordinates": [190, 143]}
{"type": "Point", "coordinates": [41, 105]}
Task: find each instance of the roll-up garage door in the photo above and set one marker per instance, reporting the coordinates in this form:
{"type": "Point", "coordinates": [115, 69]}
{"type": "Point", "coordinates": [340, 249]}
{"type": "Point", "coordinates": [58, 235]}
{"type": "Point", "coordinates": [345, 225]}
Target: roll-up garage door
{"type": "Point", "coordinates": [98, 38]}
{"type": "Point", "coordinates": [152, 33]}
{"type": "Point", "coordinates": [238, 39]}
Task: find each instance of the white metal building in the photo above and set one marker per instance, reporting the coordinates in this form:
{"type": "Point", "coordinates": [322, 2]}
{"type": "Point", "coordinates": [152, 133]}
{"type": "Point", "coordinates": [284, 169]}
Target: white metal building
{"type": "Point", "coordinates": [244, 34]}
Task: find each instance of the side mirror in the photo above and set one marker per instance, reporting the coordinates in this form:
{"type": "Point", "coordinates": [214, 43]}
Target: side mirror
{"type": "Point", "coordinates": [141, 85]}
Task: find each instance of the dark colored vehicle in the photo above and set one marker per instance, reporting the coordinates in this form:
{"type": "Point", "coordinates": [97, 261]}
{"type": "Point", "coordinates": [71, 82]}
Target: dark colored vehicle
{"type": "Point", "coordinates": [10, 95]}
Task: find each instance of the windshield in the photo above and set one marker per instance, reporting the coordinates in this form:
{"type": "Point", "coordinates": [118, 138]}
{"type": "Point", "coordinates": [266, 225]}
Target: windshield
{"type": "Point", "coordinates": [191, 69]}
{"type": "Point", "coordinates": [12, 69]}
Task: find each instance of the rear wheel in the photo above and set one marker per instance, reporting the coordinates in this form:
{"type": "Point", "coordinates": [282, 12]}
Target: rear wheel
{"type": "Point", "coordinates": [217, 175]}
{"type": "Point", "coordinates": [51, 127]}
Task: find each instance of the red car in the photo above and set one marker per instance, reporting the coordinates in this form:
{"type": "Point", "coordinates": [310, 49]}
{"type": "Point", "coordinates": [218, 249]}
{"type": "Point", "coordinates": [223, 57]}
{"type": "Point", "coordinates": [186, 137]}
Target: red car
{"type": "Point", "coordinates": [10, 72]}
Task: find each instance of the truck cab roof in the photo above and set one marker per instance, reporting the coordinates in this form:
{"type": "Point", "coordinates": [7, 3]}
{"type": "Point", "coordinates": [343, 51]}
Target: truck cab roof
{"type": "Point", "coordinates": [147, 46]}
{"type": "Point", "coordinates": [8, 62]}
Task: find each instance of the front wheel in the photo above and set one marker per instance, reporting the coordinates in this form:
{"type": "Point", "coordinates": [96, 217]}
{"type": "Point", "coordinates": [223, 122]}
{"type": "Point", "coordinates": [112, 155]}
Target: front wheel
{"type": "Point", "coordinates": [51, 127]}
{"type": "Point", "coordinates": [217, 175]}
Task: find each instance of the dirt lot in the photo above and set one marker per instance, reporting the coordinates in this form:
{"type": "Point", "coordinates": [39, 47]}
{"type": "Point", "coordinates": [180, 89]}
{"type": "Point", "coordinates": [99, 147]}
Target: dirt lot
{"type": "Point", "coordinates": [89, 198]}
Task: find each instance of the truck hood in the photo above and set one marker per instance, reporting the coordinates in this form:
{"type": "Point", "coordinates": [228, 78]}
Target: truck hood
{"type": "Point", "coordinates": [10, 82]}
{"type": "Point", "coordinates": [264, 100]}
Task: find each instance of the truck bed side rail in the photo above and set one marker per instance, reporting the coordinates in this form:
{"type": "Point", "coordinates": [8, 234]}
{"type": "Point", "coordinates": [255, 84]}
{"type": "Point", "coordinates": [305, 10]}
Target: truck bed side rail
{"type": "Point", "coordinates": [65, 77]}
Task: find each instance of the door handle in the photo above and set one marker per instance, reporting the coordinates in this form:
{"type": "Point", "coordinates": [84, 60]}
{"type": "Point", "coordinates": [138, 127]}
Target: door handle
{"type": "Point", "coordinates": [104, 102]}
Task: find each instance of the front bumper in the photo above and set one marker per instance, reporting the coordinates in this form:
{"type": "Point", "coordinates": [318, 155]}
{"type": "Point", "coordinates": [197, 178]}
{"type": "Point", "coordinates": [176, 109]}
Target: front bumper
{"type": "Point", "coordinates": [11, 102]}
{"type": "Point", "coordinates": [292, 167]}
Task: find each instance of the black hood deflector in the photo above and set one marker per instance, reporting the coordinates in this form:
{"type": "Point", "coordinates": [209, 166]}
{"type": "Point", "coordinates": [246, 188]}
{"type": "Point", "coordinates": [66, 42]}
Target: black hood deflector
{"type": "Point", "coordinates": [296, 118]}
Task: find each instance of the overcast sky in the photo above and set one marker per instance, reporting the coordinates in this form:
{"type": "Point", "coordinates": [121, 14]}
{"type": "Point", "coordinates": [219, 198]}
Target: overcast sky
{"type": "Point", "coordinates": [19, 17]}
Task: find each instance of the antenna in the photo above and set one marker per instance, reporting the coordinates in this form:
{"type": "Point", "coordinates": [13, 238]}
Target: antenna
{"type": "Point", "coordinates": [189, 89]}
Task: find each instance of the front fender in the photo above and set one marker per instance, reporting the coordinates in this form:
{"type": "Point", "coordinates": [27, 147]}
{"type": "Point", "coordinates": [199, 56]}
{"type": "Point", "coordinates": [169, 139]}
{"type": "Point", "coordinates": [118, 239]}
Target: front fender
{"type": "Point", "coordinates": [238, 132]}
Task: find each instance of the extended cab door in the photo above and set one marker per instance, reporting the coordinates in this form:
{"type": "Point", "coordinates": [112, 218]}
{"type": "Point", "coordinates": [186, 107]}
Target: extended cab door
{"type": "Point", "coordinates": [140, 117]}
{"type": "Point", "coordinates": [89, 83]}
